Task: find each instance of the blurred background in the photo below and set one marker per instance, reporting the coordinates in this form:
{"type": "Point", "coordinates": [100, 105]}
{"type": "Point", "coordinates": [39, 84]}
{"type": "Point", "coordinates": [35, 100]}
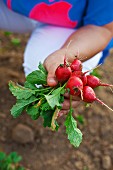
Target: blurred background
{"type": "Point", "coordinates": [40, 148]}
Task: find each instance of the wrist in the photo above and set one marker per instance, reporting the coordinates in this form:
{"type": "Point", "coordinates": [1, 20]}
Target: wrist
{"type": "Point", "coordinates": [71, 51]}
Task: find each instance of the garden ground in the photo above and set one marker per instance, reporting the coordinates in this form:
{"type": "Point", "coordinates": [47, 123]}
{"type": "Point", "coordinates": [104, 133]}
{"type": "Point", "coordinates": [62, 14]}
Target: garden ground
{"type": "Point", "coordinates": [44, 149]}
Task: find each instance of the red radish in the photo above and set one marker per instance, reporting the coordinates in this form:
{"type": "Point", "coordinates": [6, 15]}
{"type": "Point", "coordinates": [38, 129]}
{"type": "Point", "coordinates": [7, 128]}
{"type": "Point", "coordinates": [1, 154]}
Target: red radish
{"type": "Point", "coordinates": [77, 74]}
{"type": "Point", "coordinates": [94, 81]}
{"type": "Point", "coordinates": [63, 72]}
{"type": "Point", "coordinates": [76, 65]}
{"type": "Point", "coordinates": [84, 80]}
{"type": "Point", "coordinates": [81, 76]}
{"type": "Point", "coordinates": [75, 85]}
{"type": "Point", "coordinates": [89, 96]}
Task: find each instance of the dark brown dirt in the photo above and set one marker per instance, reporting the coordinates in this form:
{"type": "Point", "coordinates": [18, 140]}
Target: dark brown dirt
{"type": "Point", "coordinates": [51, 150]}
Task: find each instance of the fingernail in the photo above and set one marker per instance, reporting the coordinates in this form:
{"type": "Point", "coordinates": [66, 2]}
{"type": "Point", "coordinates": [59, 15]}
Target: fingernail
{"type": "Point", "coordinates": [60, 114]}
{"type": "Point", "coordinates": [51, 80]}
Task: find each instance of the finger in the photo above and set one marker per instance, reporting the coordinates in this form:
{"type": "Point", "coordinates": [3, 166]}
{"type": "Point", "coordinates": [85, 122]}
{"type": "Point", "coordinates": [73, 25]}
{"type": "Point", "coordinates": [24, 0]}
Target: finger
{"type": "Point", "coordinates": [66, 104]}
{"type": "Point", "coordinates": [51, 79]}
{"type": "Point", "coordinates": [77, 98]}
{"type": "Point", "coordinates": [63, 112]}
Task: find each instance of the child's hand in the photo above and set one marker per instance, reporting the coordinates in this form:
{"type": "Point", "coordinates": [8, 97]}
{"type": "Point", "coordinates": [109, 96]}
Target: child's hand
{"type": "Point", "coordinates": [53, 61]}
{"type": "Point", "coordinates": [66, 104]}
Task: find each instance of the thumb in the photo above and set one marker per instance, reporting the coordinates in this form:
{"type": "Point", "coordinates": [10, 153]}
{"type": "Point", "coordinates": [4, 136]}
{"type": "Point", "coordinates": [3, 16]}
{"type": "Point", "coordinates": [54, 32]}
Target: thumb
{"type": "Point", "coordinates": [51, 79]}
{"type": "Point", "coordinates": [51, 65]}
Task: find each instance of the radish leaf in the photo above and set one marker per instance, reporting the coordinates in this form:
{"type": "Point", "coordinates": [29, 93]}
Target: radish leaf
{"type": "Point", "coordinates": [33, 111]}
{"type": "Point", "coordinates": [47, 116]}
{"type": "Point", "coordinates": [38, 76]}
{"type": "Point", "coordinates": [74, 134]}
{"type": "Point", "coordinates": [20, 92]}
{"type": "Point", "coordinates": [55, 98]}
{"type": "Point", "coordinates": [41, 67]}
{"type": "Point", "coordinates": [21, 105]}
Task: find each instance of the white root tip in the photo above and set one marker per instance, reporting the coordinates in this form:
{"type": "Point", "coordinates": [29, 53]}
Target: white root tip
{"type": "Point", "coordinates": [111, 89]}
{"type": "Point", "coordinates": [81, 94]}
{"type": "Point", "coordinates": [104, 104]}
{"type": "Point", "coordinates": [92, 69]}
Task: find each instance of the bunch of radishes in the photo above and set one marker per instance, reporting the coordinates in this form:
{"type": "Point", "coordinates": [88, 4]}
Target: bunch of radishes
{"type": "Point", "coordinates": [77, 82]}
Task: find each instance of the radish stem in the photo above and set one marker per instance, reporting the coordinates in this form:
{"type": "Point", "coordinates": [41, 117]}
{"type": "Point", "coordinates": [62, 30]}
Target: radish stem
{"type": "Point", "coordinates": [103, 104]}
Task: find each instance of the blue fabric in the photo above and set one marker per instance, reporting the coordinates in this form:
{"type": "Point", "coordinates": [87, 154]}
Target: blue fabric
{"type": "Point", "coordinates": [106, 52]}
{"type": "Point", "coordinates": [104, 55]}
{"type": "Point", "coordinates": [97, 12]}
{"type": "Point", "coordinates": [72, 13]}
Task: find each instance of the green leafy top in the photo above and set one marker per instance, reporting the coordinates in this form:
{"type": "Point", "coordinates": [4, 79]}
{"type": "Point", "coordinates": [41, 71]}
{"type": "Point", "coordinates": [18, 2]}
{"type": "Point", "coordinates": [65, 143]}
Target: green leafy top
{"type": "Point", "coordinates": [74, 134]}
{"type": "Point", "coordinates": [42, 101]}
{"type": "Point", "coordinates": [20, 92]}
{"type": "Point", "coordinates": [54, 98]}
{"type": "Point", "coordinates": [38, 76]}
{"type": "Point", "coordinates": [21, 105]}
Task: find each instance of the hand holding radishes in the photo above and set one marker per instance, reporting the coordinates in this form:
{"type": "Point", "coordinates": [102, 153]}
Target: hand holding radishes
{"type": "Point", "coordinates": [78, 83]}
{"type": "Point", "coordinates": [51, 63]}
{"type": "Point", "coordinates": [54, 63]}
{"type": "Point", "coordinates": [56, 59]}
{"type": "Point", "coordinates": [51, 100]}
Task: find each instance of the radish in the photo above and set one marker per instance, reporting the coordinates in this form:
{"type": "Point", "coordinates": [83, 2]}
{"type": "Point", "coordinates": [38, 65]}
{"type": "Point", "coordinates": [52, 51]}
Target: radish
{"type": "Point", "coordinates": [84, 80]}
{"type": "Point", "coordinates": [89, 96]}
{"type": "Point", "coordinates": [94, 82]}
{"type": "Point", "coordinates": [76, 65]}
{"type": "Point", "coordinates": [81, 76]}
{"type": "Point", "coordinates": [75, 85]}
{"type": "Point", "coordinates": [77, 74]}
{"type": "Point", "coordinates": [63, 72]}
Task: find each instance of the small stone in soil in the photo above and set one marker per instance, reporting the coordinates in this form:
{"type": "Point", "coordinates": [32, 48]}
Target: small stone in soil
{"type": "Point", "coordinates": [106, 162]}
{"type": "Point", "coordinates": [23, 134]}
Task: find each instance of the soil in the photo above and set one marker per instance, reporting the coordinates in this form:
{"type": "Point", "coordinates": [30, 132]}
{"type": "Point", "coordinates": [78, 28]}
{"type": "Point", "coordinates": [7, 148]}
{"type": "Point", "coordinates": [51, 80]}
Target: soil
{"type": "Point", "coordinates": [51, 150]}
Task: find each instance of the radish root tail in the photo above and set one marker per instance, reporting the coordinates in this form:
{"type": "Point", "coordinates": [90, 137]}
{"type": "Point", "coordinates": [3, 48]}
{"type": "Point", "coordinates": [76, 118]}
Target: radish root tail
{"type": "Point", "coordinates": [103, 104]}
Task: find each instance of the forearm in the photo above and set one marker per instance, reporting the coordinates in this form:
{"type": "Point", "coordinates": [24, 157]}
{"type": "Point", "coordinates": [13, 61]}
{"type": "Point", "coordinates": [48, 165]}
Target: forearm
{"type": "Point", "coordinates": [89, 40]}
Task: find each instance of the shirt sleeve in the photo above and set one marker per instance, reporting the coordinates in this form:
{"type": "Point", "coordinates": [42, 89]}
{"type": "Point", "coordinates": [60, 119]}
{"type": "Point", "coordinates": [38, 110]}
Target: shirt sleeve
{"type": "Point", "coordinates": [99, 12]}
